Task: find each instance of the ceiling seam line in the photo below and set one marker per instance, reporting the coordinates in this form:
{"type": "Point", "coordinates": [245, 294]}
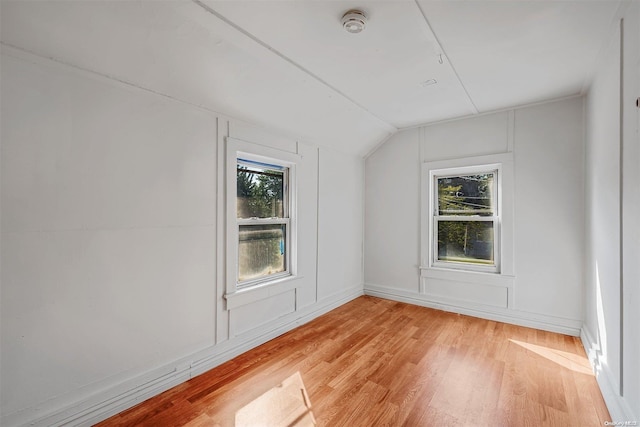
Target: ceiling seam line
{"type": "Point", "coordinates": [490, 112]}
{"type": "Point", "coordinates": [20, 53]}
{"type": "Point", "coordinates": [90, 71]}
{"type": "Point", "coordinates": [444, 53]}
{"type": "Point", "coordinates": [255, 39]}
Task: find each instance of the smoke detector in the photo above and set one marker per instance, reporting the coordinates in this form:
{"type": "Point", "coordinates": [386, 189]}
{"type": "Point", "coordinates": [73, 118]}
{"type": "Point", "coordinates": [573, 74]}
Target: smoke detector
{"type": "Point", "coordinates": [354, 21]}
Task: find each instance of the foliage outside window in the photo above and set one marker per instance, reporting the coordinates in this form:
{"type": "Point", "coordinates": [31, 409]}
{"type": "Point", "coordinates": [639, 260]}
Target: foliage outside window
{"type": "Point", "coordinates": [466, 220]}
{"type": "Point", "coordinates": [263, 221]}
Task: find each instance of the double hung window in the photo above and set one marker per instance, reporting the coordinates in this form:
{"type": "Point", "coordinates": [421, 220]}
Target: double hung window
{"type": "Point", "coordinates": [466, 218]}
{"type": "Point", "coordinates": [261, 237]}
{"type": "Point", "coordinates": [263, 221]}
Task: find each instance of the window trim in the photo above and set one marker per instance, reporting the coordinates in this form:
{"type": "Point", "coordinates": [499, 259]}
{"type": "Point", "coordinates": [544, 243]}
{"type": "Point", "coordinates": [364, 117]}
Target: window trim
{"type": "Point", "coordinates": [504, 237]}
{"type": "Point", "coordinates": [238, 149]}
{"type": "Point", "coordinates": [434, 174]}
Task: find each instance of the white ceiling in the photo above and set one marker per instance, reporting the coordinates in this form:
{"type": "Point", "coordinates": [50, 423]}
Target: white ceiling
{"type": "Point", "coordinates": [290, 66]}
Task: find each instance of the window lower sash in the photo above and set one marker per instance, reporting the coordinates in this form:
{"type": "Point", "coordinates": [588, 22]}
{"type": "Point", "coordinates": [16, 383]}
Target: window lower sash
{"type": "Point", "coordinates": [466, 242]}
{"type": "Point", "coordinates": [263, 251]}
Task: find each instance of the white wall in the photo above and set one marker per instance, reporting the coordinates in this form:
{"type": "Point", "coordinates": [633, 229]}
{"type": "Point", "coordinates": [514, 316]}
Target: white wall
{"type": "Point", "coordinates": [340, 259]}
{"type": "Point", "coordinates": [107, 200]}
{"type": "Point", "coordinates": [392, 211]}
{"type": "Point", "coordinates": [112, 260]}
{"type": "Point", "coordinates": [603, 211]}
{"type": "Point", "coordinates": [612, 266]}
{"type": "Point", "coordinates": [630, 209]}
{"type": "Point", "coordinates": [543, 287]}
{"type": "Point", "coordinates": [549, 210]}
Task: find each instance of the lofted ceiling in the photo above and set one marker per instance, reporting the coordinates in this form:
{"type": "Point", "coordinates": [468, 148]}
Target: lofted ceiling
{"type": "Point", "coordinates": [289, 65]}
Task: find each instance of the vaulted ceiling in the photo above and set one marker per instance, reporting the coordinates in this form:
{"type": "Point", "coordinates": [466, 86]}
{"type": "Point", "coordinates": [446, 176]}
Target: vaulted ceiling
{"type": "Point", "coordinates": [289, 65]}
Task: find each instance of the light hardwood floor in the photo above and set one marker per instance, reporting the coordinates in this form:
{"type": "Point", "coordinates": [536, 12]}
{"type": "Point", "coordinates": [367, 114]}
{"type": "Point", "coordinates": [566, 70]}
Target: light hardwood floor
{"type": "Point", "coordinates": [374, 362]}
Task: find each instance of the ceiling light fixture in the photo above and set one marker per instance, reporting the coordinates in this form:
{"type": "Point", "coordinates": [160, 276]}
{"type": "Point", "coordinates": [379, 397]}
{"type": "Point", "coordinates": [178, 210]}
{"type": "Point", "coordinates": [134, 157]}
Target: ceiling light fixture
{"type": "Point", "coordinates": [354, 21]}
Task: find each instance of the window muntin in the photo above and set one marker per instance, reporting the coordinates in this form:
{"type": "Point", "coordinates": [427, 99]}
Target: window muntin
{"type": "Point", "coordinates": [466, 220]}
{"type": "Point", "coordinates": [263, 221]}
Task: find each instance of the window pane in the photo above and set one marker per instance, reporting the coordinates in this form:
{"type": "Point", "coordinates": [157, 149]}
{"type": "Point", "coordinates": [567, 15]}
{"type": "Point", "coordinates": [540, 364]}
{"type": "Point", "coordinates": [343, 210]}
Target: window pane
{"type": "Point", "coordinates": [466, 241]}
{"type": "Point", "coordinates": [261, 251]}
{"type": "Point", "coordinates": [260, 190]}
{"type": "Point", "coordinates": [466, 195]}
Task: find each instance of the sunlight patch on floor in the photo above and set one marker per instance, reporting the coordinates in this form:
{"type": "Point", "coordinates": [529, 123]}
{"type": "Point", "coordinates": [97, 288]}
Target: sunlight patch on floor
{"type": "Point", "coordinates": [565, 359]}
{"type": "Point", "coordinates": [286, 404]}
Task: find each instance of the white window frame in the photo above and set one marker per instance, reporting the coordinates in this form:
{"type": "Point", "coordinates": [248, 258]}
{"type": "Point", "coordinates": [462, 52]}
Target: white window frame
{"type": "Point", "coordinates": [503, 239]}
{"type": "Point", "coordinates": [285, 220]}
{"type": "Point", "coordinates": [238, 149]}
{"type": "Point", "coordinates": [435, 218]}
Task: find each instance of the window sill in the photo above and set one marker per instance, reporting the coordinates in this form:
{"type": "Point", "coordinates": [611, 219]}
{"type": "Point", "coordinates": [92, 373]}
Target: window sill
{"type": "Point", "coordinates": [465, 267]}
{"type": "Point", "coordinates": [260, 292]}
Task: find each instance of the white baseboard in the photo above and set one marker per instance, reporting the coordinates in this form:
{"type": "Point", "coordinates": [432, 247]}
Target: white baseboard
{"type": "Point", "coordinates": [102, 404]}
{"type": "Point", "coordinates": [619, 409]}
{"type": "Point", "coordinates": [515, 317]}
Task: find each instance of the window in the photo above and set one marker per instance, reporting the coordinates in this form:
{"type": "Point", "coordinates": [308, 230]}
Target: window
{"type": "Point", "coordinates": [260, 218]}
{"type": "Point", "coordinates": [467, 225]}
{"type": "Point", "coordinates": [466, 218]}
{"type": "Point", "coordinates": [263, 220]}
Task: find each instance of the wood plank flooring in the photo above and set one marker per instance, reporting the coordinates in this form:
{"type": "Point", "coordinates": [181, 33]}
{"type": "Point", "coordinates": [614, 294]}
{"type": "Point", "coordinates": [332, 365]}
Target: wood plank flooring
{"type": "Point", "coordinates": [374, 362]}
